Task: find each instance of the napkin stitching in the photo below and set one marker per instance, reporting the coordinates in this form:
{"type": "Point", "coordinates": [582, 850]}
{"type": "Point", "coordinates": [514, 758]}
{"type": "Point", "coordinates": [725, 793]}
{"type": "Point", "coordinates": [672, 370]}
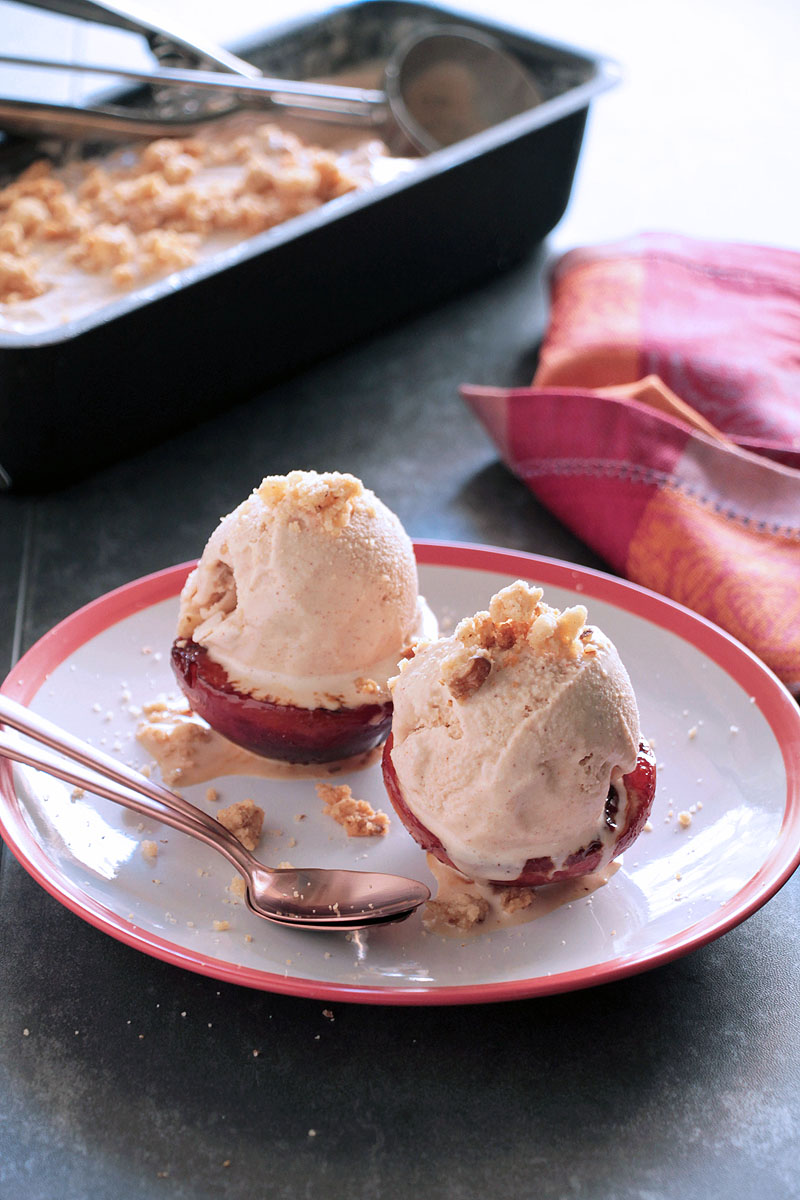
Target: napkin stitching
{"type": "Point", "coordinates": [635, 473]}
{"type": "Point", "coordinates": [736, 274]}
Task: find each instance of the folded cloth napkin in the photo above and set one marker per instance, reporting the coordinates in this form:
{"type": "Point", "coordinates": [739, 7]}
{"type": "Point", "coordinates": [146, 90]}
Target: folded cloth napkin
{"type": "Point", "coordinates": [663, 426]}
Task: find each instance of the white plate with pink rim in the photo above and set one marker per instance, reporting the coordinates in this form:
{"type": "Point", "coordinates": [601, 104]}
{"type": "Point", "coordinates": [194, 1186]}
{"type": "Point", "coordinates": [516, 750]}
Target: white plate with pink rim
{"type": "Point", "coordinates": [725, 731]}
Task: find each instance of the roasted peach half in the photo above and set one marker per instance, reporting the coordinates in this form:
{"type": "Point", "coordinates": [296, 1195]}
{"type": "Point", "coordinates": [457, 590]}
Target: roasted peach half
{"type": "Point", "coordinates": [282, 731]}
{"type": "Point", "coordinates": [640, 787]}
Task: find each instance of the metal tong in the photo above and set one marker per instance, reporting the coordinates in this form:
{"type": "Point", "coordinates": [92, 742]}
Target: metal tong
{"type": "Point", "coordinates": [203, 68]}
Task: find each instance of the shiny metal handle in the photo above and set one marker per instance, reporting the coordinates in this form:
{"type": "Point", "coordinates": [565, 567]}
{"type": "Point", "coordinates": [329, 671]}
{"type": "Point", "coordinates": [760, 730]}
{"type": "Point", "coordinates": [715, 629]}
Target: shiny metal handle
{"type": "Point", "coordinates": [272, 893]}
{"type": "Point", "coordinates": [180, 813]}
{"type": "Point", "coordinates": [358, 101]}
{"type": "Point", "coordinates": [12, 747]}
{"type": "Point", "coordinates": [32, 117]}
{"type": "Point", "coordinates": [300, 897]}
{"type": "Point", "coordinates": [160, 37]}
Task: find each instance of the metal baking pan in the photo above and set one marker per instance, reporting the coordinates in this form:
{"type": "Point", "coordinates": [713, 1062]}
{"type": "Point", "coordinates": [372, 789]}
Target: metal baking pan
{"type": "Point", "coordinates": [98, 388]}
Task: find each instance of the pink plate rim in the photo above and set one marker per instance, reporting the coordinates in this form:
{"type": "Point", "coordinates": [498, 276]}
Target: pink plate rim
{"type": "Point", "coordinates": [773, 700]}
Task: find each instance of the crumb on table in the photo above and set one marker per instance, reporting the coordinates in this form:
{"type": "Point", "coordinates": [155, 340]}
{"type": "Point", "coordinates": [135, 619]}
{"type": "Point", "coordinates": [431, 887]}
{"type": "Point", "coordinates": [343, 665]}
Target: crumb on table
{"type": "Point", "coordinates": [357, 817]}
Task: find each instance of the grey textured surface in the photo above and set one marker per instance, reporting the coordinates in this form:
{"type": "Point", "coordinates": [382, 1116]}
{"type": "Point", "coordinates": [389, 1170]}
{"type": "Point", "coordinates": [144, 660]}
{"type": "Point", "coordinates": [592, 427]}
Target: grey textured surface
{"type": "Point", "coordinates": [680, 1082]}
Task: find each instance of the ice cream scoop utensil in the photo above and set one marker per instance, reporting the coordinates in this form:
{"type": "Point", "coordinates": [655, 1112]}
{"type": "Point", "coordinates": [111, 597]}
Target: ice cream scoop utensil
{"type": "Point", "coordinates": [319, 99]}
{"type": "Point", "coordinates": [165, 41]}
{"type": "Point", "coordinates": [441, 84]}
{"type": "Point", "coordinates": [311, 898]}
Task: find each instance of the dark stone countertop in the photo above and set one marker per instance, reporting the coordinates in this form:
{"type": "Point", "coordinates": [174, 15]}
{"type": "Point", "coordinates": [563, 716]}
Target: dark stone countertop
{"type": "Point", "coordinates": [121, 1075]}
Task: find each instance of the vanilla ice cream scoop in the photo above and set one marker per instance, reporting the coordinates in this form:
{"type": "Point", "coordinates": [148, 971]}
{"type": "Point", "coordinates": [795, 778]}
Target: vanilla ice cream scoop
{"type": "Point", "coordinates": [516, 754]}
{"type": "Point", "coordinates": [307, 593]}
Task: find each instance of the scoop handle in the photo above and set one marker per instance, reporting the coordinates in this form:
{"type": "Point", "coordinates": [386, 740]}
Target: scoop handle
{"type": "Point", "coordinates": [161, 38]}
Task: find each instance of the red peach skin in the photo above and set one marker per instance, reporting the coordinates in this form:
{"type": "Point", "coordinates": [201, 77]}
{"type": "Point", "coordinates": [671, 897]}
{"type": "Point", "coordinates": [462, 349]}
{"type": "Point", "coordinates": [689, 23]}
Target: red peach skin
{"type": "Point", "coordinates": [640, 784]}
{"type": "Point", "coordinates": [282, 731]}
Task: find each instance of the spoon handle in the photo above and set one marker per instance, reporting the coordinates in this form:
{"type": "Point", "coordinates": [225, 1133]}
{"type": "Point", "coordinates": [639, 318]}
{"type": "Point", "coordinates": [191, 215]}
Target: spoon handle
{"type": "Point", "coordinates": [275, 894]}
{"type": "Point", "coordinates": [41, 730]}
{"type": "Point", "coordinates": [106, 776]}
{"type": "Point", "coordinates": [12, 747]}
{"type": "Point", "coordinates": [128, 16]}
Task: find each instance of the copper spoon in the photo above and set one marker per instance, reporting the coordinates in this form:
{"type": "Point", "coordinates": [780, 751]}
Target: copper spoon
{"type": "Point", "coordinates": [305, 898]}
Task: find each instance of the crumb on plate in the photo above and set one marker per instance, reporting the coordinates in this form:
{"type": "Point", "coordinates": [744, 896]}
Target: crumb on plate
{"type": "Point", "coordinates": [357, 817]}
{"type": "Point", "coordinates": [149, 850]}
{"type": "Point", "coordinates": [244, 819]}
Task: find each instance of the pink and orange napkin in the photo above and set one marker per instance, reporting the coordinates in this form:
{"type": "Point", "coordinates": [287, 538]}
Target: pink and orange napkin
{"type": "Point", "coordinates": [663, 426]}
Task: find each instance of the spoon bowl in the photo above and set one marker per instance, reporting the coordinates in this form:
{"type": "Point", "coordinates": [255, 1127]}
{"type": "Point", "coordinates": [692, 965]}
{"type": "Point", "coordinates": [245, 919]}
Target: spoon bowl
{"type": "Point", "coordinates": [317, 898]}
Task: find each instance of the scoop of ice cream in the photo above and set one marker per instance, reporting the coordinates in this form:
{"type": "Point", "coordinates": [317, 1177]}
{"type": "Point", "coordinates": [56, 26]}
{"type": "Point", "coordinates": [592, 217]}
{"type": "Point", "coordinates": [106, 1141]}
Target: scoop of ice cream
{"type": "Point", "coordinates": [508, 735]}
{"type": "Point", "coordinates": [307, 593]}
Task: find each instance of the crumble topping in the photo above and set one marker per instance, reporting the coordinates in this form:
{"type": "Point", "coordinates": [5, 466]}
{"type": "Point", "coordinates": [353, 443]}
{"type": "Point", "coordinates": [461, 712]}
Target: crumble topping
{"type": "Point", "coordinates": [463, 904]}
{"type": "Point", "coordinates": [149, 850]}
{"type": "Point", "coordinates": [219, 601]}
{"type": "Point", "coordinates": [103, 248]}
{"type": "Point", "coordinates": [460, 910]}
{"type": "Point", "coordinates": [330, 497]}
{"type": "Point", "coordinates": [368, 687]}
{"type": "Point", "coordinates": [237, 887]}
{"type": "Point", "coordinates": [476, 670]}
{"type": "Point", "coordinates": [18, 276]}
{"type": "Point", "coordinates": [357, 817]}
{"type": "Point", "coordinates": [515, 899]}
{"type": "Point", "coordinates": [173, 735]}
{"type": "Point", "coordinates": [517, 617]}
{"type": "Point", "coordinates": [244, 820]}
{"type": "Point", "coordinates": [141, 213]}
